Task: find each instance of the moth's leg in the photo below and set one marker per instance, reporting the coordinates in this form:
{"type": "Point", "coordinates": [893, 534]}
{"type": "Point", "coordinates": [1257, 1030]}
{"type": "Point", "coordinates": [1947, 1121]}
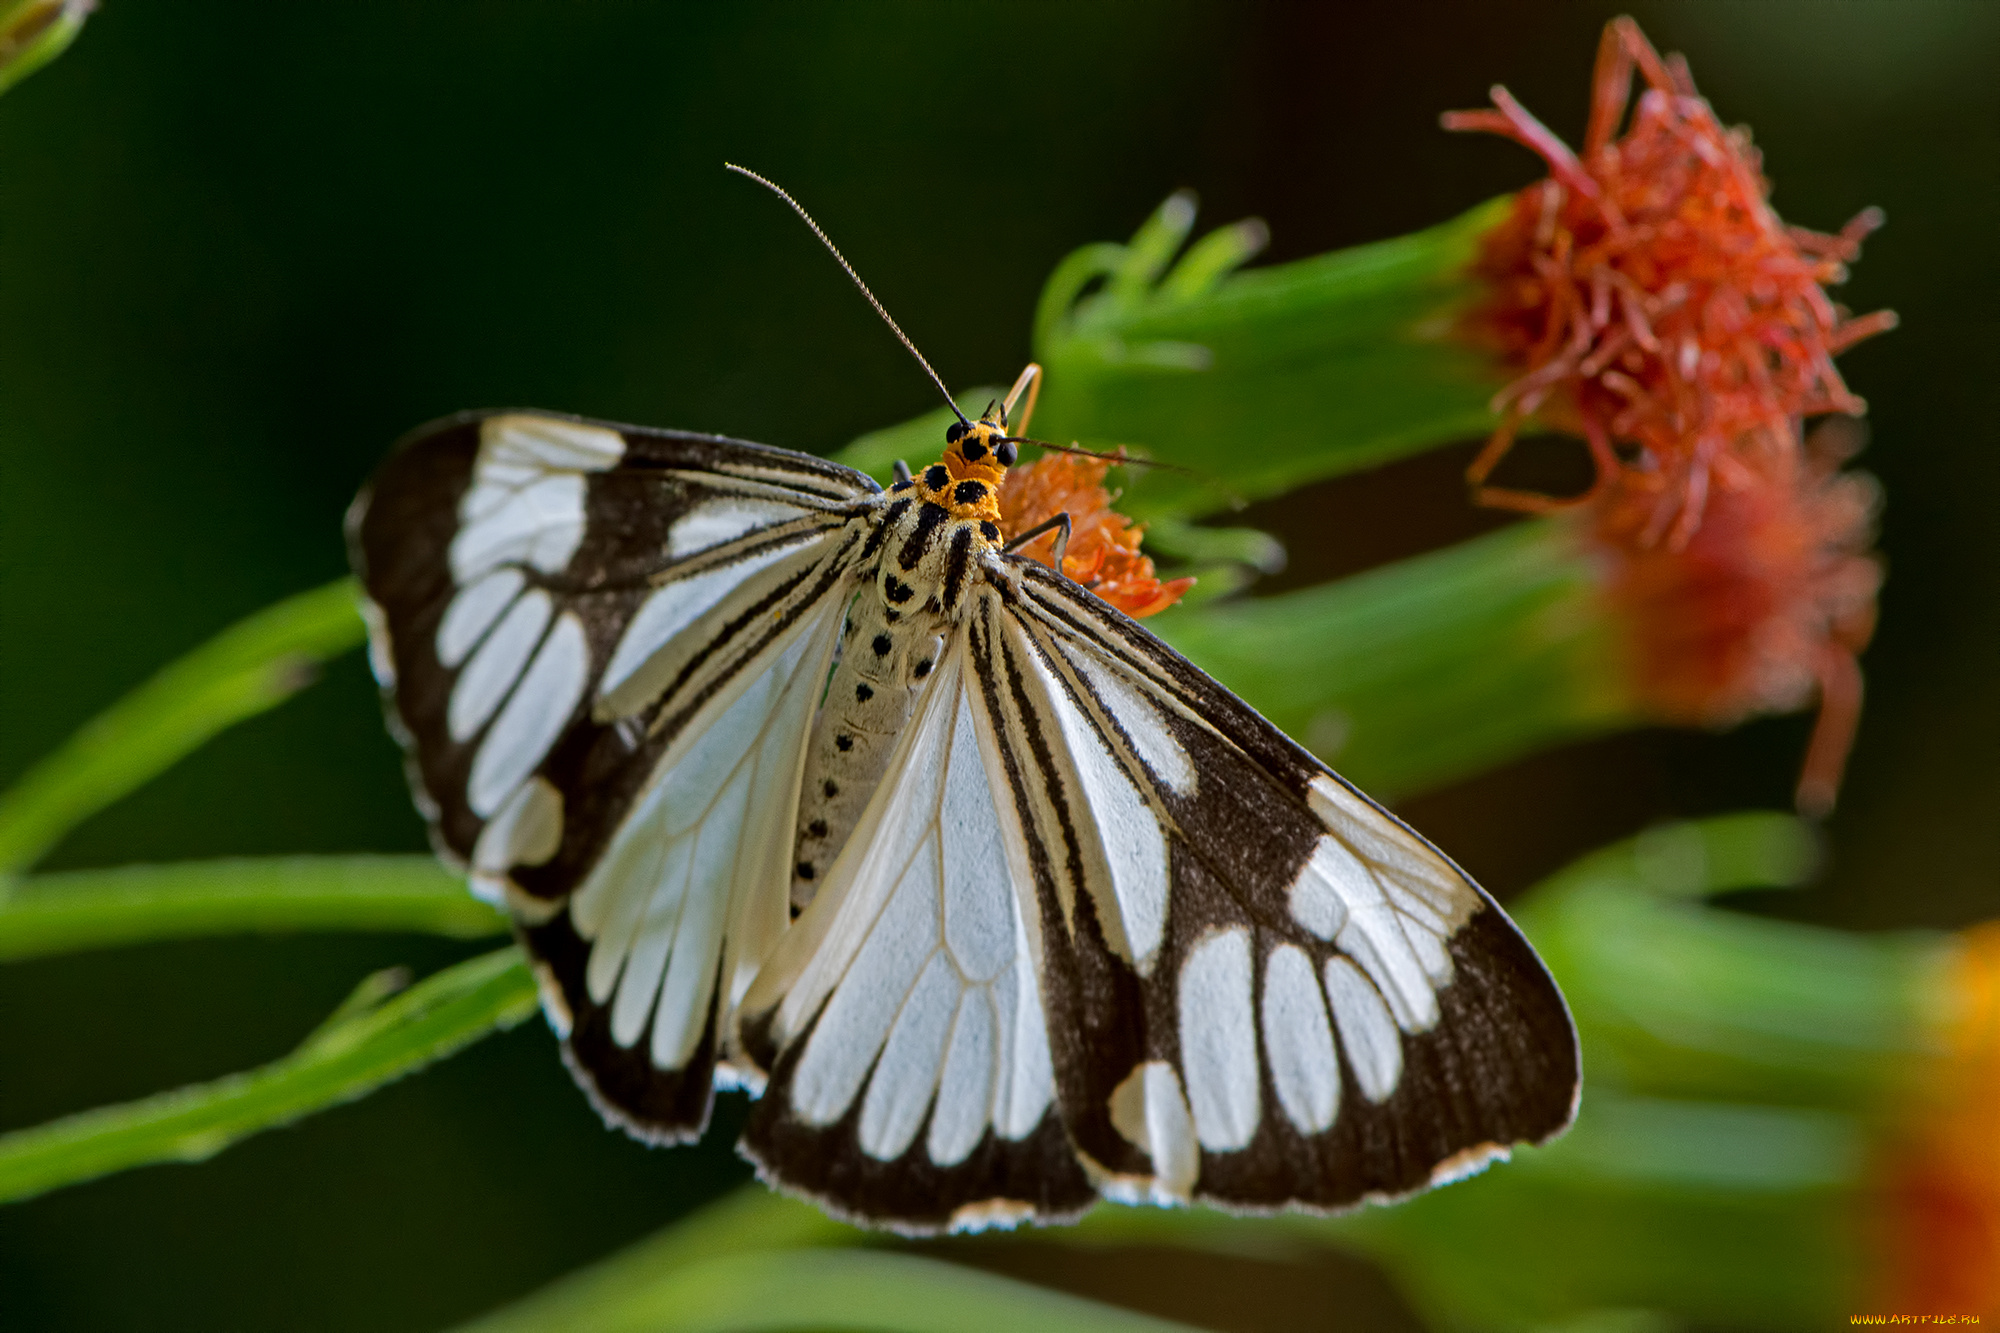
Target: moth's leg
{"type": "Point", "coordinates": [1030, 382]}
{"type": "Point", "coordinates": [1060, 523]}
{"type": "Point", "coordinates": [900, 472]}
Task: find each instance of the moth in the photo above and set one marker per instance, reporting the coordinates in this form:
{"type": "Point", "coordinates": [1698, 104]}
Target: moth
{"type": "Point", "coordinates": [798, 784]}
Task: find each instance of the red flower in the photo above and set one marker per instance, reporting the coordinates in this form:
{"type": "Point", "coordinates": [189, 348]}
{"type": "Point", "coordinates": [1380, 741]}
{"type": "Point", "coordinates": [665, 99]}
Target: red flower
{"type": "Point", "coordinates": [1764, 604]}
{"type": "Point", "coordinates": [1103, 552]}
{"type": "Point", "coordinates": [1652, 297]}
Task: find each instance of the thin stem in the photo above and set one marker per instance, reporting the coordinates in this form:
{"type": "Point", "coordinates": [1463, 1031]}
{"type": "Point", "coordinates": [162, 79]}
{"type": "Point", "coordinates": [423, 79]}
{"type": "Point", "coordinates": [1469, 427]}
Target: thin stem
{"type": "Point", "coordinates": [254, 665]}
{"type": "Point", "coordinates": [339, 1063]}
{"type": "Point", "coordinates": [95, 909]}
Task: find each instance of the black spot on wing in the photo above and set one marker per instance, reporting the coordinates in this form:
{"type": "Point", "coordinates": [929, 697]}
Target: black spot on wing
{"type": "Point", "coordinates": [628, 1090]}
{"type": "Point", "coordinates": [1244, 824]}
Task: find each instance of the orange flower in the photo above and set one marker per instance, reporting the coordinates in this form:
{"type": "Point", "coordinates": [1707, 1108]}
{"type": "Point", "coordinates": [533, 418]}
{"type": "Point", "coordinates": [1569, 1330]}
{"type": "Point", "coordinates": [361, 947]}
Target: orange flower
{"type": "Point", "coordinates": [1103, 552]}
{"type": "Point", "coordinates": [1939, 1225]}
{"type": "Point", "coordinates": [1768, 601]}
{"type": "Point", "coordinates": [1651, 296]}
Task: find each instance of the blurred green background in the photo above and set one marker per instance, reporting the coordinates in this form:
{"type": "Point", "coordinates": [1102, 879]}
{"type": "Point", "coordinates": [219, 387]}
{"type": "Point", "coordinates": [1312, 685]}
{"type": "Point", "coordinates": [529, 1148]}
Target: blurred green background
{"type": "Point", "coordinates": [243, 247]}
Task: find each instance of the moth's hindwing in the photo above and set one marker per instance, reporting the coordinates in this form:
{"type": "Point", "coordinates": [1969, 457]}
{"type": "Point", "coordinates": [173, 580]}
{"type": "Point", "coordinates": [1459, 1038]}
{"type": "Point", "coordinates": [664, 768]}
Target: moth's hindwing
{"type": "Point", "coordinates": [912, 1083]}
{"type": "Point", "coordinates": [1267, 992]}
{"type": "Point", "coordinates": [599, 646]}
{"type": "Point", "coordinates": [1255, 987]}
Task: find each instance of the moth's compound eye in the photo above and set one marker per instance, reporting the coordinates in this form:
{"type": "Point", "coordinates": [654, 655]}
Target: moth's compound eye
{"type": "Point", "coordinates": [1006, 452]}
{"type": "Point", "coordinates": [955, 432]}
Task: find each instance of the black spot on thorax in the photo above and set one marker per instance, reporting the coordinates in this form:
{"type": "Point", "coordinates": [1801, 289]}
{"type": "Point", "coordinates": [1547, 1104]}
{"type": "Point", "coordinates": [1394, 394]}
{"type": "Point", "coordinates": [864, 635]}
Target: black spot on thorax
{"type": "Point", "coordinates": [955, 567]}
{"type": "Point", "coordinates": [919, 543]}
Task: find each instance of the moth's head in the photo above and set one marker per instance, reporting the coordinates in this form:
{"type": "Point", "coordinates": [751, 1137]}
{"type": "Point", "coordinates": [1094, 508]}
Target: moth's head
{"type": "Point", "coordinates": [983, 444]}
{"type": "Point", "coordinates": [977, 455]}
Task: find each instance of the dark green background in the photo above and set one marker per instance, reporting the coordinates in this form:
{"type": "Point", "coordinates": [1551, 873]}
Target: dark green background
{"type": "Point", "coordinates": [242, 247]}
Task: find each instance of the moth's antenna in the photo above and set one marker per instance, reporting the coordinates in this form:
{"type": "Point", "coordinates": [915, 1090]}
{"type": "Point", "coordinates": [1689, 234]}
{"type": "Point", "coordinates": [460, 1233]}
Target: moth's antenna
{"type": "Point", "coordinates": [834, 250]}
{"type": "Point", "coordinates": [1121, 458]}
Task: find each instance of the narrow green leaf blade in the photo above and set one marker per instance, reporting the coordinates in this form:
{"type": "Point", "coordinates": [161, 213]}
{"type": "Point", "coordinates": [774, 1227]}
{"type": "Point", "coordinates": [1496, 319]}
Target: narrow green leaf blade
{"type": "Point", "coordinates": [431, 1020]}
{"type": "Point", "coordinates": [794, 1289]}
{"type": "Point", "coordinates": [1430, 669]}
{"type": "Point", "coordinates": [252, 666]}
{"type": "Point", "coordinates": [1271, 377]}
{"type": "Point", "coordinates": [96, 909]}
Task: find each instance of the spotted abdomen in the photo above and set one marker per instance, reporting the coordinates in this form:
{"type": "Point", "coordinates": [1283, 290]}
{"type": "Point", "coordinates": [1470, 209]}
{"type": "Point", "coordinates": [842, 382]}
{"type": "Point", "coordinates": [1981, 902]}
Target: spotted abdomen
{"type": "Point", "coordinates": [887, 653]}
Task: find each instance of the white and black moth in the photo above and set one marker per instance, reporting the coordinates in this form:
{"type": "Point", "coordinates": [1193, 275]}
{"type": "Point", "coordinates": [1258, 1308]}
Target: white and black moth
{"type": "Point", "coordinates": [797, 784]}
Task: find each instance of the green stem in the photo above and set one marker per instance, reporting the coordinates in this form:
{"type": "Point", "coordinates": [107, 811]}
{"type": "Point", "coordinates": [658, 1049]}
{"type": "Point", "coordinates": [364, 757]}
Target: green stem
{"type": "Point", "coordinates": [785, 1289]}
{"type": "Point", "coordinates": [339, 1063]}
{"type": "Point", "coordinates": [95, 909]}
{"type": "Point", "coordinates": [1430, 669]}
{"type": "Point", "coordinates": [250, 667]}
{"type": "Point", "coordinates": [1326, 365]}
{"type": "Point", "coordinates": [1679, 999]}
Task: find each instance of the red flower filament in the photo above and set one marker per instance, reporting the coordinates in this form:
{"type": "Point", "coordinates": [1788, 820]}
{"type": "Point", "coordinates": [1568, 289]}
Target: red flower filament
{"type": "Point", "coordinates": [1653, 298]}
{"type": "Point", "coordinates": [1766, 604]}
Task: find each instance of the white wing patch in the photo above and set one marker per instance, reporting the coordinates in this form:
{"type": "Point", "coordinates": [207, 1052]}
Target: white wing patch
{"type": "Point", "coordinates": [534, 715]}
{"type": "Point", "coordinates": [1389, 904]}
{"type": "Point", "coordinates": [702, 853]}
{"type": "Point", "coordinates": [1150, 1110]}
{"type": "Point", "coordinates": [652, 647]}
{"type": "Point", "coordinates": [1219, 1039]}
{"type": "Point", "coordinates": [1304, 1069]}
{"type": "Point", "coordinates": [524, 669]}
{"type": "Point", "coordinates": [491, 673]}
{"type": "Point", "coordinates": [918, 949]}
{"type": "Point", "coordinates": [1385, 899]}
{"type": "Point", "coordinates": [526, 831]}
{"type": "Point", "coordinates": [1123, 842]}
{"type": "Point", "coordinates": [724, 520]}
{"type": "Point", "coordinates": [525, 503]}
{"type": "Point", "coordinates": [1374, 1046]}
{"type": "Point", "coordinates": [1140, 718]}
{"type": "Point", "coordinates": [472, 612]}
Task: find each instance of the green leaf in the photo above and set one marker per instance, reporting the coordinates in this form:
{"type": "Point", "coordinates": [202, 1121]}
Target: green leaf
{"type": "Point", "coordinates": [1260, 381]}
{"type": "Point", "coordinates": [95, 909]}
{"type": "Point", "coordinates": [743, 1262]}
{"type": "Point", "coordinates": [367, 1047]}
{"type": "Point", "coordinates": [787, 1289]}
{"type": "Point", "coordinates": [1674, 997]}
{"type": "Point", "coordinates": [1430, 669]}
{"type": "Point", "coordinates": [252, 666]}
